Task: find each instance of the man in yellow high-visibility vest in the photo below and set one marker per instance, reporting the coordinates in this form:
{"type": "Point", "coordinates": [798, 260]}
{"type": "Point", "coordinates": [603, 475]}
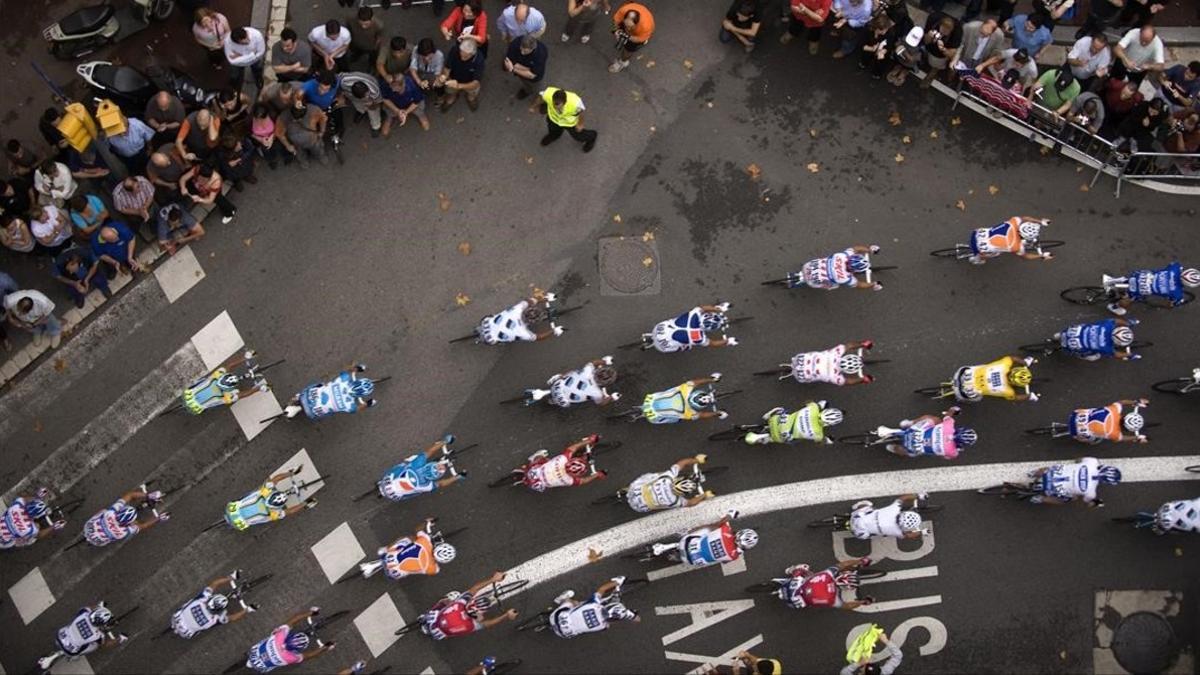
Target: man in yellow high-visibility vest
{"type": "Point", "coordinates": [564, 111]}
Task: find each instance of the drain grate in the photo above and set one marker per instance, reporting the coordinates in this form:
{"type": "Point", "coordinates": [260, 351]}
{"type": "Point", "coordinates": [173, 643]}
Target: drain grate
{"type": "Point", "coordinates": [629, 266]}
{"type": "Point", "coordinates": [1144, 643]}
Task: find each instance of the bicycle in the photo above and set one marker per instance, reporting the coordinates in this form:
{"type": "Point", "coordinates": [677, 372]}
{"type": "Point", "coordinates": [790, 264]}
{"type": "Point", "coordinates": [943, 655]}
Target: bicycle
{"type": "Point", "coordinates": [697, 475]}
{"type": "Point", "coordinates": [211, 391]}
{"type": "Point", "coordinates": [796, 279]}
{"type": "Point", "coordinates": [1063, 430]}
{"type": "Point", "coordinates": [1052, 346]}
{"type": "Point", "coordinates": [295, 490]}
{"type": "Point", "coordinates": [238, 595]}
{"type": "Point", "coordinates": [841, 521]}
{"type": "Point", "coordinates": [45, 663]}
{"type": "Point", "coordinates": [853, 581]}
{"type": "Point", "coordinates": [481, 603]}
{"type": "Point", "coordinates": [964, 251]}
{"type": "Point", "coordinates": [448, 455]}
{"type": "Point", "coordinates": [554, 314]}
{"type": "Point", "coordinates": [541, 621]}
{"type": "Point", "coordinates": [516, 477]}
{"type": "Point", "coordinates": [1104, 295]}
{"type": "Point", "coordinates": [646, 343]}
{"type": "Point", "coordinates": [1179, 385]}
{"type": "Point", "coordinates": [785, 371]}
{"type": "Point", "coordinates": [146, 505]}
{"type": "Point", "coordinates": [1140, 520]}
{"type": "Point", "coordinates": [369, 569]}
{"type": "Point", "coordinates": [1022, 491]}
{"type": "Point", "coordinates": [634, 414]}
{"type": "Point", "coordinates": [950, 390]}
{"type": "Point", "coordinates": [310, 630]}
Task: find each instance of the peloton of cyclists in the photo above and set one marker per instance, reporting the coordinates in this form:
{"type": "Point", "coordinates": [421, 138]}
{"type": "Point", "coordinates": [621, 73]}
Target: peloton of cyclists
{"type": "Point", "coordinates": [666, 490]}
{"type": "Point", "coordinates": [587, 383]}
{"type": "Point", "coordinates": [28, 519]}
{"type": "Point", "coordinates": [893, 520]}
{"type": "Point", "coordinates": [517, 323]}
{"type": "Point", "coordinates": [287, 645]}
{"type": "Point", "coordinates": [1065, 483]}
{"type": "Point", "coordinates": [209, 608]}
{"type": "Point", "coordinates": [713, 544]}
{"type": "Point", "coordinates": [839, 269]}
{"type": "Point", "coordinates": [569, 468]}
{"type": "Point", "coordinates": [1017, 235]}
{"type": "Point", "coordinates": [702, 326]}
{"type": "Point", "coordinates": [123, 519]}
{"type": "Point", "coordinates": [1167, 282]}
{"type": "Point", "coordinates": [1096, 340]}
{"type": "Point", "coordinates": [1093, 425]}
{"type": "Point", "coordinates": [823, 589]}
{"type": "Point", "coordinates": [91, 629]}
{"type": "Point", "coordinates": [276, 499]}
{"type": "Point", "coordinates": [458, 614]}
{"type": "Point", "coordinates": [841, 365]}
{"type": "Point", "coordinates": [417, 555]}
{"type": "Point", "coordinates": [572, 618]}
{"type": "Point", "coordinates": [806, 424]}
{"type": "Point", "coordinates": [1001, 378]}
{"type": "Point", "coordinates": [345, 393]}
{"type": "Point", "coordinates": [420, 473]}
{"type": "Point", "coordinates": [693, 400]}
{"type": "Point", "coordinates": [930, 435]}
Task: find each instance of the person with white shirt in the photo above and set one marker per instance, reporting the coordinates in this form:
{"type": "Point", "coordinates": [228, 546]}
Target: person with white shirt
{"type": "Point", "coordinates": [1139, 51]}
{"type": "Point", "coordinates": [1090, 57]}
{"type": "Point", "coordinates": [52, 229]}
{"type": "Point", "coordinates": [519, 20]}
{"type": "Point", "coordinates": [331, 42]}
{"type": "Point", "coordinates": [34, 312]}
{"type": "Point", "coordinates": [245, 48]}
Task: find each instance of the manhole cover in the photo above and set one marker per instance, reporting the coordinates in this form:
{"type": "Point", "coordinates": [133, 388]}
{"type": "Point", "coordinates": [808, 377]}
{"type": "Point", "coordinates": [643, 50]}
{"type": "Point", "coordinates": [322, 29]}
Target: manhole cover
{"type": "Point", "coordinates": [629, 266]}
{"type": "Point", "coordinates": [1144, 643]}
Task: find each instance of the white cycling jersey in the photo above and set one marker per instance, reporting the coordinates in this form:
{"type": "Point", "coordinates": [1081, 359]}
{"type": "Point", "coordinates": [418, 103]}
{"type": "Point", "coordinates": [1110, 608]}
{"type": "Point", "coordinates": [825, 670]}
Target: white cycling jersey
{"type": "Point", "coordinates": [568, 621]}
{"type": "Point", "coordinates": [575, 387]}
{"type": "Point", "coordinates": [1071, 481]}
{"type": "Point", "coordinates": [868, 521]}
{"type": "Point", "coordinates": [195, 617]}
{"type": "Point", "coordinates": [507, 326]}
{"type": "Point", "coordinates": [80, 637]}
{"type": "Point", "coordinates": [655, 491]}
{"type": "Point", "coordinates": [823, 366]}
{"type": "Point", "coordinates": [1180, 516]}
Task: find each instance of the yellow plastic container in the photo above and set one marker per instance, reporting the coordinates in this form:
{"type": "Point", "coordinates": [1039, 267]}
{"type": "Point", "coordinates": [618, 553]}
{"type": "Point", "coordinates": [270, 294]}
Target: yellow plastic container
{"type": "Point", "coordinates": [77, 126]}
{"type": "Point", "coordinates": [112, 120]}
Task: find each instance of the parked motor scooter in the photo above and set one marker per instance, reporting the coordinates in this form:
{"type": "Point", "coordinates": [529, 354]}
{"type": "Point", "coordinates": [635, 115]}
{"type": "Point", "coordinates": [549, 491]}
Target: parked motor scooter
{"type": "Point", "coordinates": [131, 89]}
{"type": "Point", "coordinates": [86, 30]}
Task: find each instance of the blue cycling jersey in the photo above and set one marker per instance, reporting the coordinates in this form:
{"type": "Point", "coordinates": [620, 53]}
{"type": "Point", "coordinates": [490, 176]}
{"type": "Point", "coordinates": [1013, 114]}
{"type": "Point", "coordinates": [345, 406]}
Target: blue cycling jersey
{"type": "Point", "coordinates": [414, 476]}
{"type": "Point", "coordinates": [1166, 282]}
{"type": "Point", "coordinates": [1090, 338]}
{"type": "Point", "coordinates": [322, 400]}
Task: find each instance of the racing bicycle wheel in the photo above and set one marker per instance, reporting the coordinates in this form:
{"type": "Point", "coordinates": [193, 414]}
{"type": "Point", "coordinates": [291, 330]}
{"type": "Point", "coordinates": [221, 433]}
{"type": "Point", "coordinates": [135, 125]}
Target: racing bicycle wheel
{"type": "Point", "coordinates": [255, 582]}
{"type": "Point", "coordinates": [865, 440]}
{"type": "Point", "coordinates": [1042, 431]}
{"type": "Point", "coordinates": [935, 392]}
{"type": "Point", "coordinates": [493, 595]}
{"type": "Point", "coordinates": [408, 628]}
{"type": "Point", "coordinates": [604, 447]}
{"type": "Point", "coordinates": [506, 667]}
{"type": "Point", "coordinates": [327, 620]}
{"type": "Point", "coordinates": [873, 362]}
{"type": "Point", "coordinates": [837, 521]}
{"type": "Point", "coordinates": [611, 498]}
{"type": "Point", "coordinates": [632, 585]}
{"type": "Point", "coordinates": [537, 623]}
{"type": "Point", "coordinates": [1195, 468]}
{"type": "Point", "coordinates": [464, 338]}
{"type": "Point", "coordinates": [632, 345]}
{"type": "Point", "coordinates": [1045, 347]}
{"type": "Point", "coordinates": [735, 433]}
{"type": "Point", "coordinates": [1007, 489]}
{"type": "Point", "coordinates": [779, 370]}
{"type": "Point", "coordinates": [631, 415]}
{"type": "Point", "coordinates": [67, 508]}
{"type": "Point", "coordinates": [353, 574]}
{"type": "Point", "coordinates": [455, 452]}
{"type": "Point", "coordinates": [871, 574]}
{"type": "Point", "coordinates": [1139, 520]}
{"type": "Point", "coordinates": [711, 471]}
{"type": "Point", "coordinates": [1085, 295]}
{"type": "Point", "coordinates": [510, 479]}
{"type": "Point", "coordinates": [776, 282]}
{"type": "Point", "coordinates": [451, 534]}
{"type": "Point", "coordinates": [1159, 302]}
{"type": "Point", "coordinates": [929, 508]}
{"type": "Point", "coordinates": [643, 554]}
{"type": "Point", "coordinates": [884, 268]}
{"type": "Point", "coordinates": [1047, 244]}
{"type": "Point", "coordinates": [515, 399]}
{"type": "Point", "coordinates": [1179, 385]}
{"type": "Point", "coordinates": [957, 251]}
{"type": "Point", "coordinates": [769, 586]}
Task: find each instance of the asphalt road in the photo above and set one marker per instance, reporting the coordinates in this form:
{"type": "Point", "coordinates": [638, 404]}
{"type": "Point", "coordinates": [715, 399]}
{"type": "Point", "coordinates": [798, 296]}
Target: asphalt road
{"type": "Point", "coordinates": [364, 262]}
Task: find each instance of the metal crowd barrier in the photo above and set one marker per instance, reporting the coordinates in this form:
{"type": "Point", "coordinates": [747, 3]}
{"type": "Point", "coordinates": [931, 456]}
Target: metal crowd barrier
{"type": "Point", "coordinates": [1159, 166]}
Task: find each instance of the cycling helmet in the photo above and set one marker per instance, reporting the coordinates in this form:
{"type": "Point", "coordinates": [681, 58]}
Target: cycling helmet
{"type": "Point", "coordinates": [452, 596]}
{"type": "Point", "coordinates": [534, 314]}
{"type": "Point", "coordinates": [101, 617]}
{"type": "Point", "coordinates": [434, 470]}
{"type": "Point", "coordinates": [1029, 230]}
{"type": "Point", "coordinates": [362, 387]}
{"type": "Point", "coordinates": [1109, 475]}
{"type": "Point", "coordinates": [831, 417]}
{"type": "Point", "coordinates": [1021, 376]}
{"type": "Point", "coordinates": [909, 521]}
{"type": "Point", "coordinates": [277, 499]}
{"type": "Point", "coordinates": [605, 375]}
{"type": "Point", "coordinates": [36, 508]}
{"type": "Point", "coordinates": [1134, 422]}
{"type": "Point", "coordinates": [578, 467]}
{"type": "Point", "coordinates": [127, 515]}
{"type": "Point", "coordinates": [703, 399]}
{"type": "Point", "coordinates": [1122, 336]}
{"type": "Point", "coordinates": [217, 603]}
{"type": "Point", "coordinates": [746, 539]}
{"type": "Point", "coordinates": [851, 364]}
{"type": "Point", "coordinates": [615, 611]}
{"type": "Point", "coordinates": [713, 321]}
{"type": "Point", "coordinates": [1190, 277]}
{"type": "Point", "coordinates": [444, 553]}
{"type": "Point", "coordinates": [859, 263]}
{"type": "Point", "coordinates": [297, 642]}
{"type": "Point", "coordinates": [488, 662]}
{"type": "Point", "coordinates": [965, 437]}
{"type": "Point", "coordinates": [685, 486]}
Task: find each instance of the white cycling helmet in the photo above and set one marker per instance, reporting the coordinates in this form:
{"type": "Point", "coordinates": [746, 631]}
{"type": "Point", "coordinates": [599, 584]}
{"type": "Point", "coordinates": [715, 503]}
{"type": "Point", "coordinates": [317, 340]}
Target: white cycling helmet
{"type": "Point", "coordinates": [747, 539]}
{"type": "Point", "coordinates": [1134, 422]}
{"type": "Point", "coordinates": [101, 617]}
{"type": "Point", "coordinates": [831, 417]}
{"type": "Point", "coordinates": [1190, 277]}
{"type": "Point", "coordinates": [909, 521]}
{"type": "Point", "coordinates": [851, 364]}
{"type": "Point", "coordinates": [1122, 336]}
{"type": "Point", "coordinates": [1029, 229]}
{"type": "Point", "coordinates": [444, 553]}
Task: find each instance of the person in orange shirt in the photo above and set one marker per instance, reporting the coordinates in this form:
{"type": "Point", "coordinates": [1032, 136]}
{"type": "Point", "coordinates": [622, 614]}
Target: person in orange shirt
{"type": "Point", "coordinates": [807, 18]}
{"type": "Point", "coordinates": [633, 24]}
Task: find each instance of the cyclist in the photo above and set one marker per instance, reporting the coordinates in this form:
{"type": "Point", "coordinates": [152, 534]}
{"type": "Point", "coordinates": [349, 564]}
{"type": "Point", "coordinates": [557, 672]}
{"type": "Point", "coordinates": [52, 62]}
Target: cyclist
{"type": "Point", "coordinates": [573, 466]}
{"type": "Point", "coordinates": [1178, 516]}
{"type": "Point", "coordinates": [225, 385]}
{"type": "Point", "coordinates": [345, 393]}
{"type": "Point", "coordinates": [417, 474]}
{"type": "Point", "coordinates": [839, 269]}
{"type": "Point", "coordinates": [666, 490]}
{"type": "Point", "coordinates": [808, 423]}
{"type": "Point", "coordinates": [288, 644]}
{"type": "Point", "coordinates": [1093, 425]}
{"type": "Point", "coordinates": [91, 629]}
{"type": "Point", "coordinates": [514, 324]}
{"type": "Point", "coordinates": [1093, 341]}
{"type": "Point", "coordinates": [123, 519]}
{"type": "Point", "coordinates": [692, 329]}
{"type": "Point", "coordinates": [930, 435]}
{"type": "Point", "coordinates": [866, 521]}
{"type": "Point", "coordinates": [208, 609]}
{"type": "Point", "coordinates": [840, 365]}
{"type": "Point", "coordinates": [713, 544]}
{"type": "Point", "coordinates": [413, 556]}
{"type": "Point", "coordinates": [573, 618]}
{"type": "Point", "coordinates": [1001, 378]}
{"type": "Point", "coordinates": [1064, 483]}
{"type": "Point", "coordinates": [692, 400]}
{"type": "Point", "coordinates": [1167, 282]}
{"type": "Point", "coordinates": [28, 519]}
{"type": "Point", "coordinates": [1017, 235]}
{"type": "Point", "coordinates": [823, 589]}
{"type": "Point", "coordinates": [458, 614]}
{"type": "Point", "coordinates": [587, 383]}
{"type": "Point", "coordinates": [268, 503]}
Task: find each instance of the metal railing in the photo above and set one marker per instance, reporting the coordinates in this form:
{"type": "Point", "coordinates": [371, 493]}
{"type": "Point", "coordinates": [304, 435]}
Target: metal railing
{"type": "Point", "coordinates": [1159, 166]}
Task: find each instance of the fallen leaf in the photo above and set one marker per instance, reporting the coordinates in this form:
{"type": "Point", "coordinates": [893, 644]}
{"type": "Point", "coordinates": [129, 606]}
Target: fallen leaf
{"type": "Point", "coordinates": [464, 247]}
{"type": "Point", "coordinates": [213, 254]}
{"type": "Point", "coordinates": [460, 120]}
{"type": "Point", "coordinates": [647, 236]}
{"type": "Point", "coordinates": [1084, 188]}
{"type": "Point", "coordinates": [594, 555]}
{"type": "Point", "coordinates": [933, 134]}
{"type": "Point", "coordinates": [647, 262]}
{"type": "Point", "coordinates": [1079, 169]}
{"type": "Point", "coordinates": [955, 121]}
{"type": "Point", "coordinates": [754, 171]}
{"type": "Point", "coordinates": [993, 190]}
{"type": "Point", "coordinates": [1063, 655]}
{"type": "Point", "coordinates": [894, 118]}
{"type": "Point", "coordinates": [653, 128]}
{"type": "Point", "coordinates": [687, 63]}
{"type": "Point", "coordinates": [1178, 552]}
{"type": "Point", "coordinates": [650, 63]}
{"type": "Point", "coordinates": [960, 205]}
{"type": "Point", "coordinates": [37, 426]}
{"type": "Point", "coordinates": [813, 167]}
{"type": "Point", "coordinates": [60, 365]}
{"type": "Point", "coordinates": [529, 159]}
{"type": "Point", "coordinates": [247, 242]}
{"type": "Point", "coordinates": [635, 94]}
{"type": "Point", "coordinates": [907, 140]}
{"type": "Point", "coordinates": [971, 191]}
{"type": "Point", "coordinates": [617, 218]}
{"type": "Point", "coordinates": [1044, 150]}
{"type": "Point", "coordinates": [443, 201]}
{"type": "Point", "coordinates": [899, 158]}
{"type": "Point", "coordinates": [462, 299]}
{"type": "Point", "coordinates": [709, 104]}
{"type": "Point", "coordinates": [812, 133]}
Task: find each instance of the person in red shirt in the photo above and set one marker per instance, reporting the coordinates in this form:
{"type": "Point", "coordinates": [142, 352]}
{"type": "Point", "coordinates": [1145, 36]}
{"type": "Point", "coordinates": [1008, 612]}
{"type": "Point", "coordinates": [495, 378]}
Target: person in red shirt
{"type": "Point", "coordinates": [808, 17]}
{"type": "Point", "coordinates": [633, 24]}
{"type": "Point", "coordinates": [457, 614]}
{"type": "Point", "coordinates": [467, 22]}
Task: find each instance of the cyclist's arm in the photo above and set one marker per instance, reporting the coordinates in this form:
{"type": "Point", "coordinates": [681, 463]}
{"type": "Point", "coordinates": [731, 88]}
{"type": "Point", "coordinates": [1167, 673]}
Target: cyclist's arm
{"type": "Point", "coordinates": [317, 651]}
{"type": "Point", "coordinates": [711, 308]}
{"type": "Point", "coordinates": [136, 494]}
{"type": "Point", "coordinates": [718, 342]}
{"type": "Point", "coordinates": [238, 615]}
{"type": "Point", "coordinates": [480, 585]}
{"type": "Point", "coordinates": [450, 480]}
{"type": "Point", "coordinates": [296, 619]}
{"type": "Point", "coordinates": [911, 498]}
{"type": "Point", "coordinates": [860, 344]}
{"type": "Point", "coordinates": [859, 248]}
{"type": "Point", "coordinates": [697, 499]}
{"type": "Point", "coordinates": [686, 462]}
{"type": "Point", "coordinates": [280, 477]}
{"type": "Point", "coordinates": [856, 379]}
{"type": "Point", "coordinates": [434, 449]}
{"type": "Point", "coordinates": [606, 588]}
{"type": "Point", "coordinates": [142, 527]}
{"type": "Point", "coordinates": [294, 508]}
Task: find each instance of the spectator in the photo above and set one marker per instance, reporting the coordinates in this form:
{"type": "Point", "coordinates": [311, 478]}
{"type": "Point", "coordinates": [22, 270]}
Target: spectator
{"type": "Point", "coordinates": [1120, 98]}
{"type": "Point", "coordinates": [1140, 128]}
{"type": "Point", "coordinates": [233, 110]}
{"type": "Point", "coordinates": [87, 213]}
{"type": "Point", "coordinates": [52, 229]}
{"type": "Point", "coordinates": [581, 18]}
{"type": "Point", "coordinates": [202, 184]}
{"type": "Point", "coordinates": [1029, 32]}
{"type": "Point", "coordinates": [332, 43]}
{"type": "Point", "coordinates": [981, 41]}
{"type": "Point", "coordinates": [236, 157]}
{"type": "Point", "coordinates": [897, 11]}
{"type": "Point", "coordinates": [197, 137]}
{"type": "Point", "coordinates": [362, 91]}
{"type": "Point", "coordinates": [1058, 88]}
{"type": "Point", "coordinates": [15, 234]}
{"type": "Point", "coordinates": [77, 269]}
{"type": "Point", "coordinates": [245, 48]}
{"type": "Point", "coordinates": [466, 22]}
{"type": "Point", "coordinates": [7, 285]}
{"type": "Point", "coordinates": [1181, 85]}
{"type": "Point", "coordinates": [114, 246]}
{"type": "Point", "coordinates": [1101, 15]}
{"type": "Point", "coordinates": [1139, 51]}
{"type": "Point", "coordinates": [132, 145]}
{"type": "Point", "coordinates": [942, 39]}
{"type": "Point", "coordinates": [279, 97]}
{"type": "Point", "coordinates": [808, 18]}
{"type": "Point", "coordinates": [461, 75]}
{"type": "Point", "coordinates": [1138, 13]}
{"type": "Point", "coordinates": [1089, 58]}
{"type": "Point", "coordinates": [134, 197]}
{"type": "Point", "coordinates": [874, 56]}
{"type": "Point", "coordinates": [865, 667]}
{"type": "Point", "coordinates": [633, 26]}
{"type": "Point", "coordinates": [87, 164]}
{"type": "Point", "coordinates": [264, 134]}
{"type": "Point", "coordinates": [21, 162]}
{"type": "Point", "coordinates": [851, 18]}
{"type": "Point", "coordinates": [291, 59]}
{"type": "Point", "coordinates": [519, 20]}
{"type": "Point", "coordinates": [407, 99]}
{"type": "Point", "coordinates": [322, 91]}
{"type": "Point", "coordinates": [427, 65]}
{"type": "Point", "coordinates": [526, 61]}
{"type": "Point", "coordinates": [176, 226]}
{"type": "Point", "coordinates": [211, 30]}
{"type": "Point", "coordinates": [164, 169]}
{"type": "Point", "coordinates": [1011, 60]}
{"type": "Point", "coordinates": [304, 132]}
{"type": "Point", "coordinates": [564, 112]}
{"type": "Point", "coordinates": [34, 312]}
{"type": "Point", "coordinates": [393, 62]}
{"type": "Point", "coordinates": [741, 22]}
{"type": "Point", "coordinates": [1087, 110]}
{"type": "Point", "coordinates": [16, 196]}
{"type": "Point", "coordinates": [1184, 137]}
{"type": "Point", "coordinates": [53, 183]}
{"type": "Point", "coordinates": [48, 127]}
{"type": "Point", "coordinates": [366, 37]}
{"type": "Point", "coordinates": [1053, 10]}
{"type": "Point", "coordinates": [164, 114]}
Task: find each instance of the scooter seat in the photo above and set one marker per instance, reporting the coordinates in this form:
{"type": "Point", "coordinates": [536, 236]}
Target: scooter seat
{"type": "Point", "coordinates": [120, 79]}
{"type": "Point", "coordinates": [86, 20]}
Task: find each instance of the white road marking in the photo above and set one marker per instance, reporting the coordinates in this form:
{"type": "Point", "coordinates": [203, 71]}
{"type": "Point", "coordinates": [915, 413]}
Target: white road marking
{"type": "Point", "coordinates": [77, 666]}
{"type": "Point", "coordinates": [820, 491]}
{"type": "Point", "coordinates": [903, 575]}
{"type": "Point", "coordinates": [31, 595]}
{"type": "Point", "coordinates": [338, 552]}
{"type": "Point", "coordinates": [378, 624]}
{"type": "Point", "coordinates": [307, 474]}
{"type": "Point", "coordinates": [252, 410]}
{"type": "Point", "coordinates": [899, 636]}
{"type": "Point", "coordinates": [736, 567]}
{"type": "Point", "coordinates": [217, 341]}
{"type": "Point", "coordinates": [893, 605]}
{"type": "Point", "coordinates": [703, 614]}
{"type": "Point", "coordinates": [720, 659]}
{"type": "Point", "coordinates": [179, 273]}
{"type": "Point", "coordinates": [428, 671]}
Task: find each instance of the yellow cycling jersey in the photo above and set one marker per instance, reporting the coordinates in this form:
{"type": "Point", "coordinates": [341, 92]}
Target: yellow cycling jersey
{"type": "Point", "coordinates": [992, 379]}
